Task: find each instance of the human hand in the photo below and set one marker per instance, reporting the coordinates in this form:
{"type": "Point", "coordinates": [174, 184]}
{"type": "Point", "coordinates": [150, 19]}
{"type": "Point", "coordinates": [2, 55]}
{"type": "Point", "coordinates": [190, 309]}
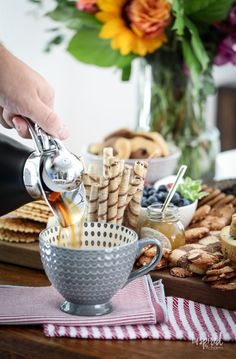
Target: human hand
{"type": "Point", "coordinates": [23, 92]}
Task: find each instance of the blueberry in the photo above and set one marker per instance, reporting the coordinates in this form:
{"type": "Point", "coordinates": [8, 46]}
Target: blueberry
{"type": "Point", "coordinates": [144, 198]}
{"type": "Point", "coordinates": [161, 196]}
{"type": "Point", "coordinates": [186, 202]}
{"type": "Point", "coordinates": [175, 199]}
{"type": "Point", "coordinates": [144, 203]}
{"type": "Point", "coordinates": [151, 200]}
{"type": "Point", "coordinates": [162, 188]}
{"type": "Point", "coordinates": [180, 203]}
{"type": "Point", "coordinates": [148, 186]}
{"type": "Point", "coordinates": [151, 191]}
{"type": "Point", "coordinates": [145, 194]}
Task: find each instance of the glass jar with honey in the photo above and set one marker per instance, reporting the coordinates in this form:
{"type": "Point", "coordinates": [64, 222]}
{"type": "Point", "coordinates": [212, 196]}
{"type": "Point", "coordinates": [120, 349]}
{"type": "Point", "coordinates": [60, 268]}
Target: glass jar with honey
{"type": "Point", "coordinates": [166, 223]}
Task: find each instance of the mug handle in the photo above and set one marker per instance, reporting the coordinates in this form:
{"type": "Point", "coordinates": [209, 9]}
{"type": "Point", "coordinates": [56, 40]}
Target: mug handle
{"type": "Point", "coordinates": [148, 267]}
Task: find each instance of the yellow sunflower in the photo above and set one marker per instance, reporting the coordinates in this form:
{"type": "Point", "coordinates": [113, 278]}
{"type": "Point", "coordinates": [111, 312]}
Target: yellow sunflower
{"type": "Point", "coordinates": [134, 26]}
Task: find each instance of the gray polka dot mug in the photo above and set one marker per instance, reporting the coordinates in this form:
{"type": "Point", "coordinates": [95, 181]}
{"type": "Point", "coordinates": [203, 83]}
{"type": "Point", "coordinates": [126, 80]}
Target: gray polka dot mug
{"type": "Point", "coordinates": [89, 276]}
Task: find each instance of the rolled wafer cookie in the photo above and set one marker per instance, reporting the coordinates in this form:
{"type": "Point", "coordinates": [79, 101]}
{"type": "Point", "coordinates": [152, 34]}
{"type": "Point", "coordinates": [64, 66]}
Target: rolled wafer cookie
{"type": "Point", "coordinates": [93, 203]}
{"type": "Point", "coordinates": [107, 155]}
{"type": "Point", "coordinates": [87, 185]}
{"type": "Point", "coordinates": [92, 172]}
{"type": "Point", "coordinates": [133, 209]}
{"type": "Point", "coordinates": [123, 193]}
{"type": "Point", "coordinates": [90, 178]}
{"type": "Point", "coordinates": [103, 199]}
{"type": "Point", "coordinates": [133, 187]}
{"type": "Point", "coordinates": [114, 184]}
{"type": "Point", "coordinates": [140, 169]}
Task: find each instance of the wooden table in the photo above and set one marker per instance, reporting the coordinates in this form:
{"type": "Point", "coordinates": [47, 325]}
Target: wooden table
{"type": "Point", "coordinates": [29, 341]}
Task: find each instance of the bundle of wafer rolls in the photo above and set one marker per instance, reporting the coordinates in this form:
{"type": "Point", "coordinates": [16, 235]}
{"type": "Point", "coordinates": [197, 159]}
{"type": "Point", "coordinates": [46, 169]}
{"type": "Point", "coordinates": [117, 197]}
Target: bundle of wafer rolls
{"type": "Point", "coordinates": [115, 197]}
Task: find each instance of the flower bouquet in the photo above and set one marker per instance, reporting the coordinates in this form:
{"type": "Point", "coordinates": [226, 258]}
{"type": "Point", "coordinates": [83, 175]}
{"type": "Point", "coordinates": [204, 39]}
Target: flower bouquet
{"type": "Point", "coordinates": [178, 42]}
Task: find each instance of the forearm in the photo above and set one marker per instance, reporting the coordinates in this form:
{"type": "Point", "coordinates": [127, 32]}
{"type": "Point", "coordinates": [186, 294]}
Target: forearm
{"type": "Point", "coordinates": [7, 68]}
{"type": "Point", "coordinates": [23, 92]}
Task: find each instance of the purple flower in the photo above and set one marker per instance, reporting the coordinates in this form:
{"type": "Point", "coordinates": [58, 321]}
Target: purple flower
{"type": "Point", "coordinates": [232, 15]}
{"type": "Point", "coordinates": [226, 51]}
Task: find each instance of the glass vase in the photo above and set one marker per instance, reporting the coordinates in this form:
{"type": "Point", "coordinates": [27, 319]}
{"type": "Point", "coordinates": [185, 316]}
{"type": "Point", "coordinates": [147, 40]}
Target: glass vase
{"type": "Point", "coordinates": [169, 104]}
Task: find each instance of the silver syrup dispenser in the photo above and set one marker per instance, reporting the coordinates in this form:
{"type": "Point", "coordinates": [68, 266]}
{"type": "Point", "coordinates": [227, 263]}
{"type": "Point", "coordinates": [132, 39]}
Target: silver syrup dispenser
{"type": "Point", "coordinates": [49, 172]}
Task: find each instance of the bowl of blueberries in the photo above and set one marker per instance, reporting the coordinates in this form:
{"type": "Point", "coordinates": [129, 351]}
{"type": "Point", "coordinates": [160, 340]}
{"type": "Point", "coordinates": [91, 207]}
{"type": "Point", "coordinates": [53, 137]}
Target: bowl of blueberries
{"type": "Point", "coordinates": [185, 198]}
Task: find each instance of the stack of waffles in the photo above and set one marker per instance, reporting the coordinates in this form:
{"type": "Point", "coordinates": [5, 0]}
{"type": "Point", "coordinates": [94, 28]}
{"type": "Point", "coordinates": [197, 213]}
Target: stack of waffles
{"type": "Point", "coordinates": [25, 223]}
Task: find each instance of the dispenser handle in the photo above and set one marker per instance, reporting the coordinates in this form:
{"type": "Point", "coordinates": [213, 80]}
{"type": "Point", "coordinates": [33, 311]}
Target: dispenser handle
{"type": "Point", "coordinates": [42, 141]}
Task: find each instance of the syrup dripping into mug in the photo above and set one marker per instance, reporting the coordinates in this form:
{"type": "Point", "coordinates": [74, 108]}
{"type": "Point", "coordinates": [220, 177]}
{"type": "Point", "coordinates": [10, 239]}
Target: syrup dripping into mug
{"type": "Point", "coordinates": [55, 174]}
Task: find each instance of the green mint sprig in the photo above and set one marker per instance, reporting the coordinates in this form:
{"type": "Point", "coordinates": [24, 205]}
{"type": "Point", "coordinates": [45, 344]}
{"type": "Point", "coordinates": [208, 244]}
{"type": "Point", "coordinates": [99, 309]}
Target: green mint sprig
{"type": "Point", "coordinates": [191, 189]}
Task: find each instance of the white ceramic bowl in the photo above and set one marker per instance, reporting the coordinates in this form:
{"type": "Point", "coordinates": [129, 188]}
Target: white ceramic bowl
{"type": "Point", "coordinates": [158, 167]}
{"type": "Point", "coordinates": [186, 212]}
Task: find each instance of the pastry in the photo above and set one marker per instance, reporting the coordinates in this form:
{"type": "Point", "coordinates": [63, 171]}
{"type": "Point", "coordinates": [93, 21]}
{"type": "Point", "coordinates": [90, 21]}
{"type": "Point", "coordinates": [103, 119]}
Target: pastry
{"type": "Point", "coordinates": [180, 272]}
{"type": "Point", "coordinates": [194, 234]}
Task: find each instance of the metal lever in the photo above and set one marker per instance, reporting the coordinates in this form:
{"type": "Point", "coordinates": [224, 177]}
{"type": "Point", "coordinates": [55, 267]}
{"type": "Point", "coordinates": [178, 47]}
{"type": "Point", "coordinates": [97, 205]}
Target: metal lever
{"type": "Point", "coordinates": [42, 141]}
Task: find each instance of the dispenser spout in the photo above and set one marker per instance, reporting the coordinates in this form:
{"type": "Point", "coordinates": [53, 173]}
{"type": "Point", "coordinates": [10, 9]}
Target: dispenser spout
{"type": "Point", "coordinates": [58, 172]}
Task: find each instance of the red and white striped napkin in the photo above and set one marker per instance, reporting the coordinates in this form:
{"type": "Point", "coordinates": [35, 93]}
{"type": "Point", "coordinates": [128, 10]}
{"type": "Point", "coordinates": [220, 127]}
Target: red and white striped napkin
{"type": "Point", "coordinates": [137, 303]}
{"type": "Point", "coordinates": [187, 321]}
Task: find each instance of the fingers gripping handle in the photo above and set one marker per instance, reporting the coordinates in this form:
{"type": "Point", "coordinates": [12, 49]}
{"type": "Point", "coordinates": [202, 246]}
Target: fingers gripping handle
{"type": "Point", "coordinates": [148, 267]}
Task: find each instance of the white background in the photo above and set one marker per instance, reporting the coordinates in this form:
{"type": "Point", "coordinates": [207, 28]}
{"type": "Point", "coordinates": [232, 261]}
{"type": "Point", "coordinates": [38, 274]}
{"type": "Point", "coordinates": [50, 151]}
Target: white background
{"type": "Point", "coordinates": [93, 101]}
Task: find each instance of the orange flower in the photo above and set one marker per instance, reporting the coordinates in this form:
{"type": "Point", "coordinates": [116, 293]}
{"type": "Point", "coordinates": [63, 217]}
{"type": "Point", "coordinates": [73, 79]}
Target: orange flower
{"type": "Point", "coordinates": [87, 5]}
{"type": "Point", "coordinates": [151, 17]}
{"type": "Point", "coordinates": [134, 25]}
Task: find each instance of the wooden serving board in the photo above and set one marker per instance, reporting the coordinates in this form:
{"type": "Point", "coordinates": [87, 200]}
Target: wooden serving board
{"type": "Point", "coordinates": [195, 289]}
{"type": "Point", "coordinates": [23, 254]}
{"type": "Point", "coordinates": [192, 288]}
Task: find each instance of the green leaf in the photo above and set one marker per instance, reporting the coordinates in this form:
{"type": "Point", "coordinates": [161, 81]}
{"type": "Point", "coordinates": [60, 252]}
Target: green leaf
{"type": "Point", "coordinates": [197, 45]}
{"type": "Point", "coordinates": [209, 87]}
{"type": "Point", "coordinates": [124, 61]}
{"type": "Point", "coordinates": [192, 6]}
{"type": "Point", "coordinates": [87, 47]}
{"type": "Point", "coordinates": [191, 189]}
{"type": "Point", "coordinates": [72, 17]}
{"type": "Point", "coordinates": [61, 13]}
{"type": "Point", "coordinates": [192, 63]}
{"type": "Point", "coordinates": [126, 71]}
{"type": "Point", "coordinates": [57, 40]}
{"type": "Point", "coordinates": [178, 10]}
{"type": "Point", "coordinates": [214, 12]}
{"type": "Point", "coordinates": [36, 1]}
